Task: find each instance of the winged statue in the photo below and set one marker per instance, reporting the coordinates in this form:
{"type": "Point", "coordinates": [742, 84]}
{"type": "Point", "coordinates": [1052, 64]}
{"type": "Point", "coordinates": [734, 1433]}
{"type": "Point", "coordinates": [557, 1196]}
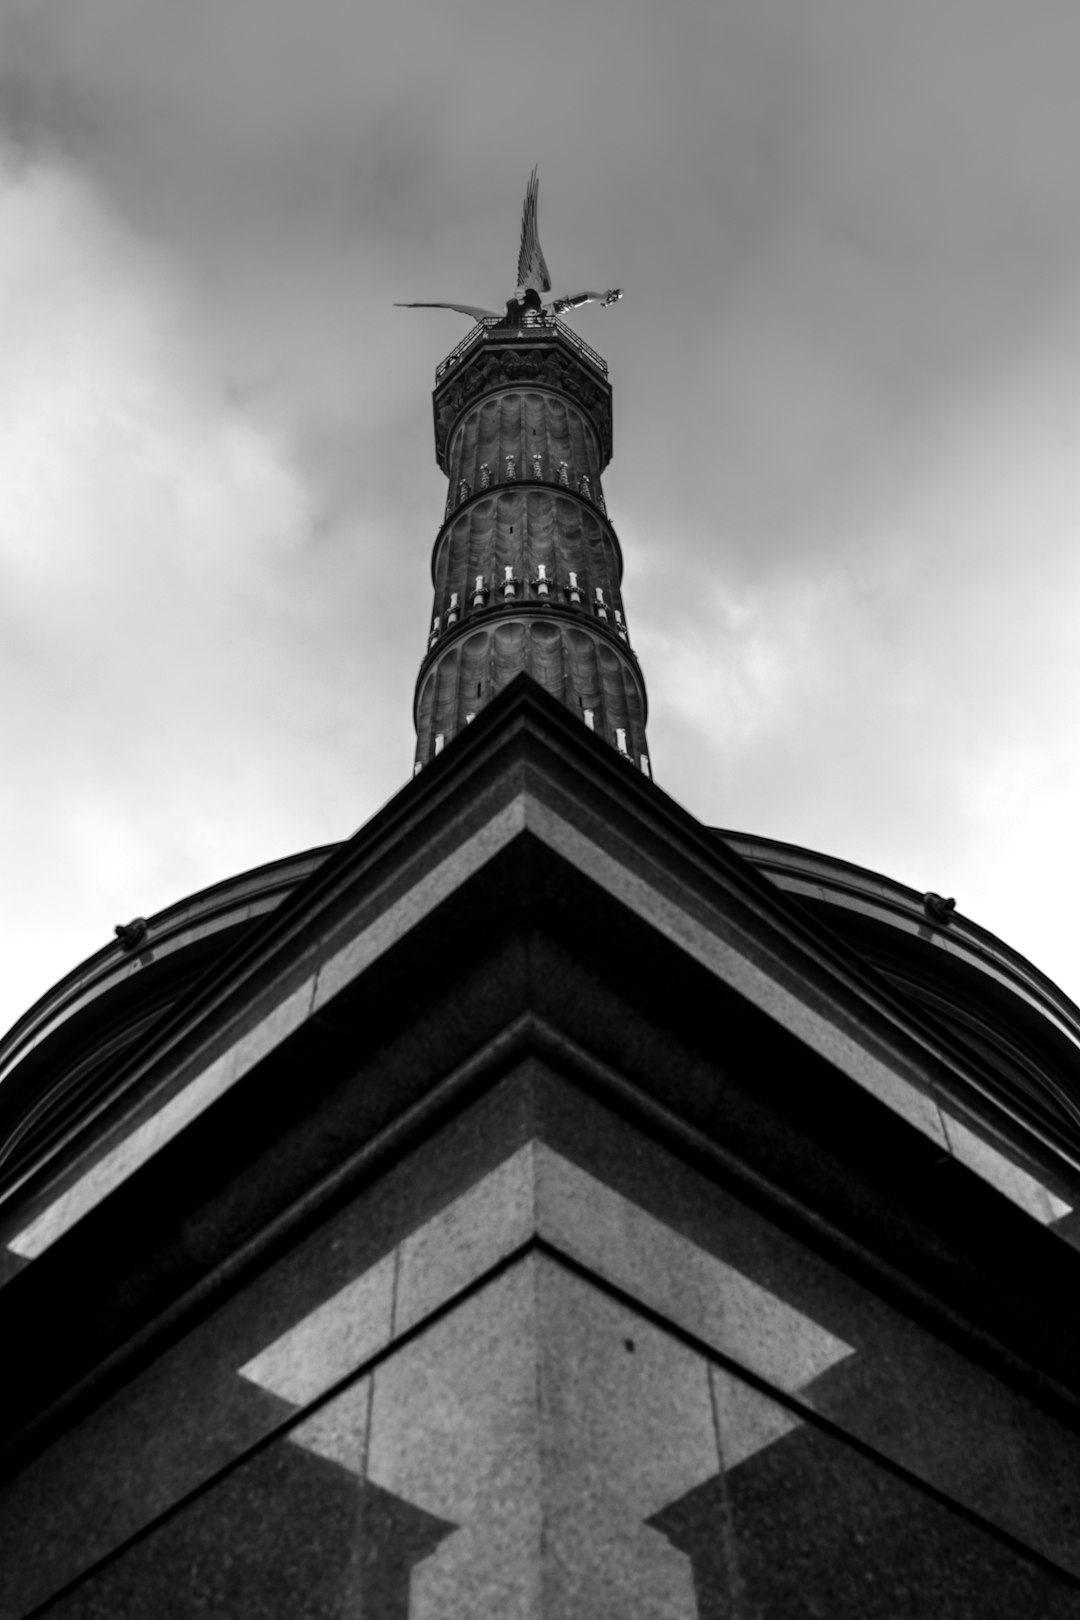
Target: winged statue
{"type": "Point", "coordinates": [533, 296]}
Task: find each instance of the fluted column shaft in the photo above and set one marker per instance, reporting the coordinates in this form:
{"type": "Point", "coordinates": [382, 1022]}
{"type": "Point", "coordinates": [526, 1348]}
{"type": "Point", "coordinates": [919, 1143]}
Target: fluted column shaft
{"type": "Point", "coordinates": [527, 568]}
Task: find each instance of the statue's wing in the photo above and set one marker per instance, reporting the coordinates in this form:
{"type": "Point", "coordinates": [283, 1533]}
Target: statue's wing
{"type": "Point", "coordinates": [575, 301]}
{"type": "Point", "coordinates": [462, 309]}
{"type": "Point", "coordinates": [532, 269]}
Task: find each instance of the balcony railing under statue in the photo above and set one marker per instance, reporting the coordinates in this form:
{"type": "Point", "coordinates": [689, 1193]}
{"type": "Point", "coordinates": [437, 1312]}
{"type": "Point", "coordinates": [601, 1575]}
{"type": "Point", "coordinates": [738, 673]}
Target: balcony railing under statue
{"type": "Point", "coordinates": [530, 328]}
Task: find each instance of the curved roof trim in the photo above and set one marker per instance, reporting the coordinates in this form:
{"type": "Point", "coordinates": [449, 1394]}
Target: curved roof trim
{"type": "Point", "coordinates": [843, 886]}
{"type": "Point", "coordinates": [195, 918]}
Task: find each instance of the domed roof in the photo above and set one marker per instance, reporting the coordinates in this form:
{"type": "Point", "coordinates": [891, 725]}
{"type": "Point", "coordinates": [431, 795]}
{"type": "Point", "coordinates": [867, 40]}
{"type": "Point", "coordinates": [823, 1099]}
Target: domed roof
{"type": "Point", "coordinates": [56, 1060]}
{"type": "Point", "coordinates": [986, 996]}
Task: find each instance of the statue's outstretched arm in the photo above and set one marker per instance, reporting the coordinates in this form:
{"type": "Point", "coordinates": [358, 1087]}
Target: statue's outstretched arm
{"type": "Point", "coordinates": [558, 304]}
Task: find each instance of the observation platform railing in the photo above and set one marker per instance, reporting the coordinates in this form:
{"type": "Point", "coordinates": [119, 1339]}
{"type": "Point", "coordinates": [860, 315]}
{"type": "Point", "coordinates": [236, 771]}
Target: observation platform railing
{"type": "Point", "coordinates": [532, 332]}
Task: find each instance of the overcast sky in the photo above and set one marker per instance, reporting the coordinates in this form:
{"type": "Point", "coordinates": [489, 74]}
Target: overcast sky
{"type": "Point", "coordinates": [847, 420]}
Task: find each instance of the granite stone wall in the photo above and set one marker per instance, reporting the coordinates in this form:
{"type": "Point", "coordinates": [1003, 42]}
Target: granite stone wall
{"type": "Point", "coordinates": [547, 1368]}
